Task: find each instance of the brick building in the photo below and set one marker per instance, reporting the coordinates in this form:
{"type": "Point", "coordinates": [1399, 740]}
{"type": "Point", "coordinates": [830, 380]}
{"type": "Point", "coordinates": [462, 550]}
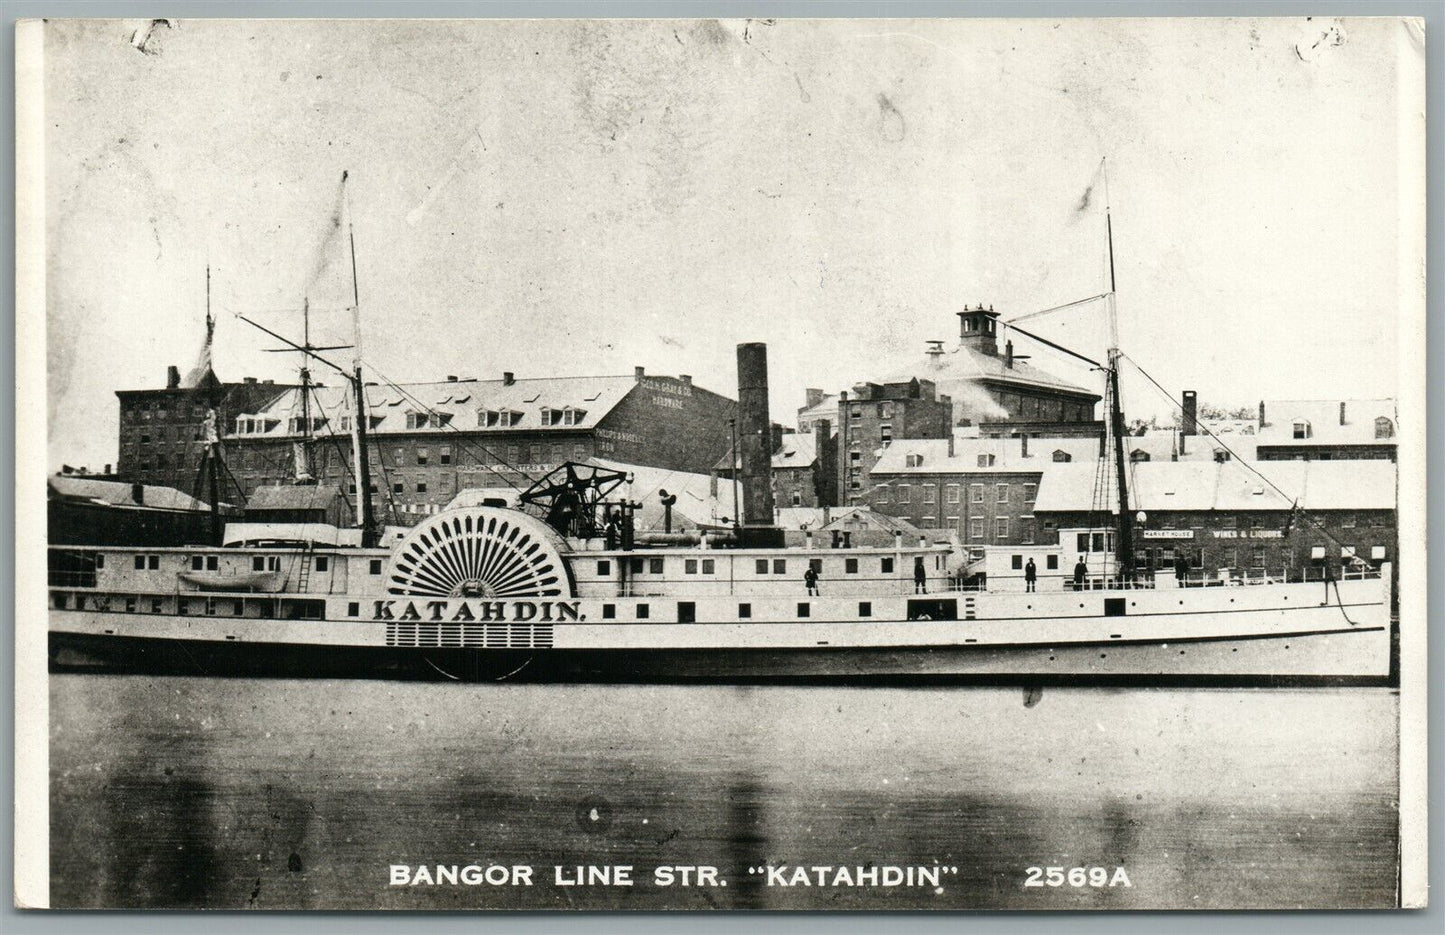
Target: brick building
{"type": "Point", "coordinates": [428, 441]}
{"type": "Point", "coordinates": [1000, 391]}
{"type": "Point", "coordinates": [160, 431]}
{"type": "Point", "coordinates": [983, 489]}
{"type": "Point", "coordinates": [1222, 517]}
{"type": "Point", "coordinates": [1325, 430]}
{"type": "Point", "coordinates": [804, 472]}
{"type": "Point", "coordinates": [872, 416]}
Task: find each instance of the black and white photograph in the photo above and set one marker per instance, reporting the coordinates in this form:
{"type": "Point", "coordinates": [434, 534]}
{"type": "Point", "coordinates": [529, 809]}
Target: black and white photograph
{"type": "Point", "coordinates": [758, 464]}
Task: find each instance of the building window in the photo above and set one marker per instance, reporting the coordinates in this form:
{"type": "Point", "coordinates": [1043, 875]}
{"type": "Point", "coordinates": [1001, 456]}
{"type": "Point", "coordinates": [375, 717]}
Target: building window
{"type": "Point", "coordinates": [445, 454]}
{"type": "Point", "coordinates": [1026, 530]}
{"type": "Point", "coordinates": [1301, 429]}
{"type": "Point", "coordinates": [1002, 490]}
{"type": "Point", "coordinates": [1384, 428]}
{"type": "Point", "coordinates": [930, 493]}
{"type": "Point", "coordinates": [885, 434]}
{"type": "Point", "coordinates": [797, 498]}
{"type": "Point", "coordinates": [953, 493]}
{"type": "Point", "coordinates": [975, 493]}
{"type": "Point", "coordinates": [1031, 492]}
{"type": "Point", "coordinates": [882, 493]}
{"type": "Point", "coordinates": [856, 412]}
{"type": "Point", "coordinates": [1001, 528]}
{"type": "Point", "coordinates": [904, 493]}
{"type": "Point", "coordinates": [885, 410]}
{"type": "Point", "coordinates": [398, 487]}
{"type": "Point", "coordinates": [422, 455]}
{"type": "Point", "coordinates": [1257, 558]}
{"type": "Point", "coordinates": [975, 528]}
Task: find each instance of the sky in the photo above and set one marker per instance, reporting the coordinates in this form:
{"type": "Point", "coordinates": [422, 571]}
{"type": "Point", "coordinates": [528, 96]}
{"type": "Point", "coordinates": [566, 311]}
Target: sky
{"type": "Point", "coordinates": [583, 197]}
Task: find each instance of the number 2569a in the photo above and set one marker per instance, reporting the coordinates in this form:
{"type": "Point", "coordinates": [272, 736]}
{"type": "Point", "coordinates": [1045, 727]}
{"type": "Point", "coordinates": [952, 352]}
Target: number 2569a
{"type": "Point", "coordinates": [1077, 877]}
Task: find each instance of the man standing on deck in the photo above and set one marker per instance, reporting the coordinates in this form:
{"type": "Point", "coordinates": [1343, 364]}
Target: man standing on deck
{"type": "Point", "coordinates": [920, 577]}
{"type": "Point", "coordinates": [1080, 571]}
{"type": "Point", "coordinates": [810, 578]}
{"type": "Point", "coordinates": [1031, 574]}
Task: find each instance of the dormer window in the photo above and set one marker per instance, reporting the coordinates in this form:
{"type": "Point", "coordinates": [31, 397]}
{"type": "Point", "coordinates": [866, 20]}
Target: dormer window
{"type": "Point", "coordinates": [1384, 428]}
{"type": "Point", "coordinates": [564, 416]}
{"type": "Point", "coordinates": [498, 418]}
{"type": "Point", "coordinates": [1302, 429]}
{"type": "Point", "coordinates": [985, 460]}
{"type": "Point", "coordinates": [427, 420]}
{"type": "Point", "coordinates": [914, 461]}
{"type": "Point", "coordinates": [296, 424]}
{"type": "Point", "coordinates": [1062, 455]}
{"type": "Point", "coordinates": [1221, 455]}
{"type": "Point", "coordinates": [1138, 454]}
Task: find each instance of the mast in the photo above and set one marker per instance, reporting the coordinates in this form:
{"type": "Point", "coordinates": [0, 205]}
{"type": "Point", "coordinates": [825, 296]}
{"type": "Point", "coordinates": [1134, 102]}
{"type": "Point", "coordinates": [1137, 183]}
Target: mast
{"type": "Point", "coordinates": [364, 517]}
{"type": "Point", "coordinates": [1124, 550]}
{"type": "Point", "coordinates": [303, 460]}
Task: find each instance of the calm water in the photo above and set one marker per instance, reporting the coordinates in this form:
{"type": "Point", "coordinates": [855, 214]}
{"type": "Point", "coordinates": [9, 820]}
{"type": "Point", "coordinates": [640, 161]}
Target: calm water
{"type": "Point", "coordinates": [193, 792]}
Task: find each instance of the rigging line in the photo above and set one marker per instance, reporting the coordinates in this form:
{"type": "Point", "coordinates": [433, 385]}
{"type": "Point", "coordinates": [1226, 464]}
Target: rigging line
{"type": "Point", "coordinates": [1234, 458]}
{"type": "Point", "coordinates": [452, 428]}
{"type": "Point", "coordinates": [1009, 323]}
{"type": "Point", "coordinates": [1057, 347]}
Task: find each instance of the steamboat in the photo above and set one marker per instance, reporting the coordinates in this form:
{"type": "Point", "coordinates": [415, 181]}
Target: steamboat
{"type": "Point", "coordinates": [561, 588]}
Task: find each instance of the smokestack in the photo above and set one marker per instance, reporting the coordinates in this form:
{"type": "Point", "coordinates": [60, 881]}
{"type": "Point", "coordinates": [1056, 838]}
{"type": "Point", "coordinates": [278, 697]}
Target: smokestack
{"type": "Point", "coordinates": [1024, 445]}
{"type": "Point", "coordinates": [508, 378]}
{"type": "Point", "coordinates": [950, 444]}
{"type": "Point", "coordinates": [173, 377]}
{"type": "Point", "coordinates": [638, 373]}
{"type": "Point", "coordinates": [1191, 413]}
{"type": "Point", "coordinates": [1342, 413]}
{"type": "Point", "coordinates": [754, 438]}
{"type": "Point", "coordinates": [777, 439]}
{"type": "Point", "coordinates": [1008, 354]}
{"type": "Point", "coordinates": [1262, 423]}
{"type": "Point", "coordinates": [812, 397]}
{"type": "Point", "coordinates": [138, 493]}
{"type": "Point", "coordinates": [825, 469]}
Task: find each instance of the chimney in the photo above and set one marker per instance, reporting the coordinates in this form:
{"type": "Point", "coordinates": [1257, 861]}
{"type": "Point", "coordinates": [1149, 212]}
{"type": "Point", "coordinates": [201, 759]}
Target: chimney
{"type": "Point", "coordinates": [1008, 354]}
{"type": "Point", "coordinates": [508, 378]}
{"type": "Point", "coordinates": [1191, 413]}
{"type": "Point", "coordinates": [268, 382]}
{"type": "Point", "coordinates": [777, 439]}
{"type": "Point", "coordinates": [107, 469]}
{"type": "Point", "coordinates": [950, 443]}
{"type": "Point", "coordinates": [638, 373]}
{"type": "Point", "coordinates": [1262, 423]}
{"type": "Point", "coordinates": [1024, 445]}
{"type": "Point", "coordinates": [825, 469]}
{"type": "Point", "coordinates": [249, 380]}
{"type": "Point", "coordinates": [686, 378]}
{"type": "Point", "coordinates": [1342, 413]}
{"type": "Point", "coordinates": [451, 378]}
{"type": "Point", "coordinates": [754, 436]}
{"type": "Point", "coordinates": [138, 493]}
{"type": "Point", "coordinates": [812, 397]}
{"type": "Point", "coordinates": [1103, 445]}
{"type": "Point", "coordinates": [173, 377]}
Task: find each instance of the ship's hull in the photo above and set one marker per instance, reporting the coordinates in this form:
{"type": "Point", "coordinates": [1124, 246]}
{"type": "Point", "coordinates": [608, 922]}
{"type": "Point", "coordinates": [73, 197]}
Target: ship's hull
{"type": "Point", "coordinates": [1356, 656]}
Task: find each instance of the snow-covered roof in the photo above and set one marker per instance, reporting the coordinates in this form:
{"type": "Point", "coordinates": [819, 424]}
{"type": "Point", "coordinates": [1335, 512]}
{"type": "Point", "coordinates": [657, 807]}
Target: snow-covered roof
{"type": "Point", "coordinates": [1227, 486]}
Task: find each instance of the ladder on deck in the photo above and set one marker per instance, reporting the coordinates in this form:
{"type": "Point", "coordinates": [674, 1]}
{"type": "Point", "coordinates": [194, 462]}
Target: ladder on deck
{"type": "Point", "coordinates": [303, 575]}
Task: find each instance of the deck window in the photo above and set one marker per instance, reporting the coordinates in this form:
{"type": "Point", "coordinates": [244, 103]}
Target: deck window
{"type": "Point", "coordinates": [885, 565]}
{"type": "Point", "coordinates": [376, 566]}
{"type": "Point", "coordinates": [654, 566]}
{"type": "Point", "coordinates": [353, 609]}
{"type": "Point", "coordinates": [643, 612]}
{"type": "Point", "coordinates": [323, 563]}
{"type": "Point", "coordinates": [804, 609]}
{"type": "Point", "coordinates": [865, 608]}
{"type": "Point", "coordinates": [745, 611]}
{"type": "Point", "coordinates": [689, 566]}
{"type": "Point", "coordinates": [604, 568]}
{"type": "Point", "coordinates": [780, 566]}
{"type": "Point", "coordinates": [609, 611]}
{"type": "Point", "coordinates": [709, 565]}
{"type": "Point", "coordinates": [140, 562]}
{"type": "Point", "coordinates": [762, 566]}
{"type": "Point", "coordinates": [850, 566]}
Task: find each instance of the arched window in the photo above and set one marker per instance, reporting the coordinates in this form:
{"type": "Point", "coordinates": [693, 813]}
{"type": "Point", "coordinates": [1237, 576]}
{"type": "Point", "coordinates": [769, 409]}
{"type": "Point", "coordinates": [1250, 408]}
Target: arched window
{"type": "Point", "coordinates": [1384, 428]}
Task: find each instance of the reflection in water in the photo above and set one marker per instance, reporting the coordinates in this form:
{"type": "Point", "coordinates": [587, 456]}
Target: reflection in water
{"type": "Point", "coordinates": [271, 793]}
